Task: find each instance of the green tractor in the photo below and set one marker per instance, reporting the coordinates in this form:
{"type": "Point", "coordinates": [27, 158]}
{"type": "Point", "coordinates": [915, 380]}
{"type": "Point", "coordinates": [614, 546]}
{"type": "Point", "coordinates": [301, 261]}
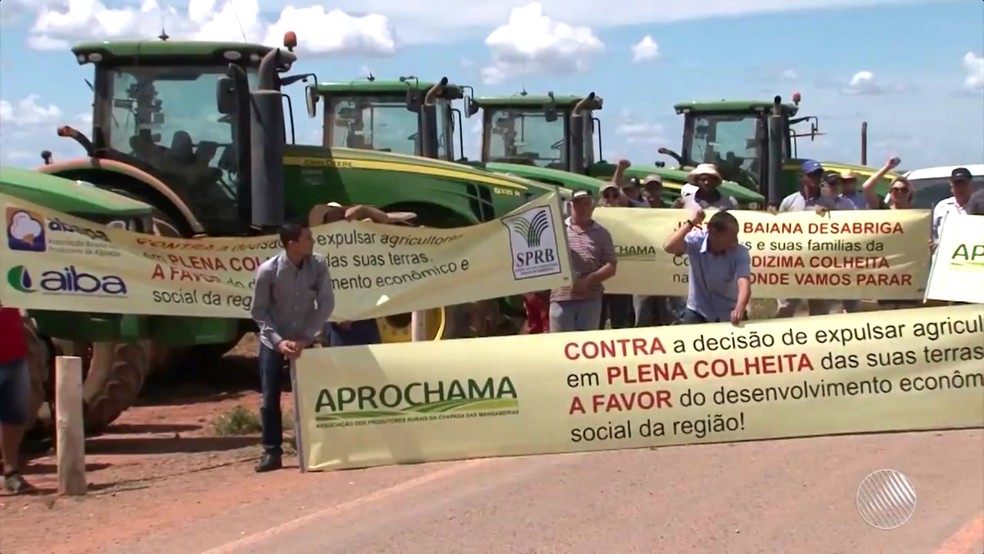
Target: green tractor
{"type": "Point", "coordinates": [115, 355]}
{"type": "Point", "coordinates": [552, 139]}
{"type": "Point", "coordinates": [173, 128]}
{"type": "Point", "coordinates": [753, 143]}
{"type": "Point", "coordinates": [414, 122]}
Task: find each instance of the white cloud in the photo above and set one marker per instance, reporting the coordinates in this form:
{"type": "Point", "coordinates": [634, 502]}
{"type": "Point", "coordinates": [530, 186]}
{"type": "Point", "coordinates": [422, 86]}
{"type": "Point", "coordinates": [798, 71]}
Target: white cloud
{"type": "Point", "coordinates": [532, 43]}
{"type": "Point", "coordinates": [28, 112]}
{"type": "Point", "coordinates": [636, 131]}
{"type": "Point", "coordinates": [645, 50]}
{"type": "Point", "coordinates": [974, 65]}
{"type": "Point", "coordinates": [318, 31]}
{"type": "Point", "coordinates": [863, 83]}
{"type": "Point", "coordinates": [27, 126]}
{"type": "Point", "coordinates": [789, 75]}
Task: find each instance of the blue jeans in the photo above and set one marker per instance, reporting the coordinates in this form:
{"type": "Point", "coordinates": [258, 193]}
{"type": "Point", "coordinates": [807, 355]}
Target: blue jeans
{"type": "Point", "coordinates": [15, 389]}
{"type": "Point", "coordinates": [652, 310]}
{"type": "Point", "coordinates": [616, 308]}
{"type": "Point", "coordinates": [364, 331]}
{"type": "Point", "coordinates": [690, 317]}
{"type": "Point", "coordinates": [271, 365]}
{"type": "Point", "coordinates": [575, 315]}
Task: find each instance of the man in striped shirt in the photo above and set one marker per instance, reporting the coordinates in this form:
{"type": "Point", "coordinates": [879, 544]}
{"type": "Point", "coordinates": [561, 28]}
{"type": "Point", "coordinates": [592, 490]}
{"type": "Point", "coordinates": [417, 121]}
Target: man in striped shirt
{"type": "Point", "coordinates": [592, 252]}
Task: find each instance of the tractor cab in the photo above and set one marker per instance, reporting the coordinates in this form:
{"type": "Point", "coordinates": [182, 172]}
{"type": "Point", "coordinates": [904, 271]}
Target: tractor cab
{"type": "Point", "coordinates": [736, 137]}
{"type": "Point", "coordinates": [407, 116]}
{"type": "Point", "coordinates": [156, 120]}
{"type": "Point", "coordinates": [551, 132]}
{"type": "Point", "coordinates": [732, 135]}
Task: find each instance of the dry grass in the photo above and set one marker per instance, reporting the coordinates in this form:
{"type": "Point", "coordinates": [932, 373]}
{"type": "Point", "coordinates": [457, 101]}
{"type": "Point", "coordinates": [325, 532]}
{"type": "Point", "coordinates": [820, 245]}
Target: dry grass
{"type": "Point", "coordinates": [237, 421]}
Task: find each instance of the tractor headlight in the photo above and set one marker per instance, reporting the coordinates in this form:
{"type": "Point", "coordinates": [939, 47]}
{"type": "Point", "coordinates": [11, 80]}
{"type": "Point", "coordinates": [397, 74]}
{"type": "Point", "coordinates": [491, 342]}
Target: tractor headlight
{"type": "Point", "coordinates": [120, 224]}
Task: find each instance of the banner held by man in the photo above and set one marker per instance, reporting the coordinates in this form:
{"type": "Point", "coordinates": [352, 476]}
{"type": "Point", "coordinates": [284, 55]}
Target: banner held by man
{"type": "Point", "coordinates": [957, 274]}
{"type": "Point", "coordinates": [659, 386]}
{"type": "Point", "coordinates": [53, 261]}
{"type": "Point", "coordinates": [865, 255]}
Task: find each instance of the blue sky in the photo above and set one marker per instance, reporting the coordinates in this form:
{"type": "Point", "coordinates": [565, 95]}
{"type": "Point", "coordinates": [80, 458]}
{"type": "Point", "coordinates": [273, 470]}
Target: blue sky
{"type": "Point", "coordinates": [923, 96]}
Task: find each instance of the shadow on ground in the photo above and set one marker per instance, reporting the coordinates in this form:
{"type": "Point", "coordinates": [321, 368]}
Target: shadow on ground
{"type": "Point", "coordinates": [231, 378]}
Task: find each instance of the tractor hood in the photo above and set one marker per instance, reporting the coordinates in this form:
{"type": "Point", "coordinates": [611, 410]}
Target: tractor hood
{"type": "Point", "coordinates": [391, 161]}
{"type": "Point", "coordinates": [545, 175]}
{"type": "Point", "coordinates": [674, 179]}
{"type": "Point", "coordinates": [67, 196]}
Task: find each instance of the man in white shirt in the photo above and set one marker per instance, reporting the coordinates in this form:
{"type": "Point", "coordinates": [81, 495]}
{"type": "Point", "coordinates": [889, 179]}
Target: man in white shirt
{"type": "Point", "coordinates": [960, 180]}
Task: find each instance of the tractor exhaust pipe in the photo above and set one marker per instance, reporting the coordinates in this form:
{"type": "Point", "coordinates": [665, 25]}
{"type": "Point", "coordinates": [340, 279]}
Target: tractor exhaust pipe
{"type": "Point", "coordinates": [776, 140]}
{"type": "Point", "coordinates": [576, 142]}
{"type": "Point", "coordinates": [864, 143]}
{"type": "Point", "coordinates": [428, 121]}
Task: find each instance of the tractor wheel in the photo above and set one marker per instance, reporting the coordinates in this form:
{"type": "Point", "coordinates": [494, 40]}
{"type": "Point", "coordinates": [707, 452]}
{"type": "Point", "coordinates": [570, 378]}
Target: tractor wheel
{"type": "Point", "coordinates": [113, 375]}
{"type": "Point", "coordinates": [38, 362]}
{"type": "Point", "coordinates": [163, 357]}
{"type": "Point", "coordinates": [473, 319]}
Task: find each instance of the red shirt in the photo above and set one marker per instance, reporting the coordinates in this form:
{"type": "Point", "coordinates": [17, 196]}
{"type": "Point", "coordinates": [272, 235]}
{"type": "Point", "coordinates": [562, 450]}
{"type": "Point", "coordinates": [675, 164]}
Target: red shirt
{"type": "Point", "coordinates": [13, 345]}
{"type": "Point", "coordinates": [537, 306]}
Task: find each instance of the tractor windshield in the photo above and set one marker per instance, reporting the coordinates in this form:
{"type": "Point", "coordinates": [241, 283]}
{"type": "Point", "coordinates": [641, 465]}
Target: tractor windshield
{"type": "Point", "coordinates": [382, 123]}
{"type": "Point", "coordinates": [733, 142]}
{"type": "Point", "coordinates": [167, 118]}
{"type": "Point", "coordinates": [524, 137]}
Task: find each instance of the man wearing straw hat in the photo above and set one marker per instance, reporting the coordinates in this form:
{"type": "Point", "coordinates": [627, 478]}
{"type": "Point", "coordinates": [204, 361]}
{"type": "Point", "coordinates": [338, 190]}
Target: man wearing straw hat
{"type": "Point", "coordinates": [702, 193]}
{"type": "Point", "coordinates": [363, 331]}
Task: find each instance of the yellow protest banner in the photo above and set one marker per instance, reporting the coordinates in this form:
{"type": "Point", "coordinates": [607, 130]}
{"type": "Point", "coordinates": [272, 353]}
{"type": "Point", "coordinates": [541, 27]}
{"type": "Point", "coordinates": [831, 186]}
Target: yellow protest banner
{"type": "Point", "coordinates": [365, 406]}
{"type": "Point", "coordinates": [842, 255]}
{"type": "Point", "coordinates": [957, 274]}
{"type": "Point", "coordinates": [53, 261]}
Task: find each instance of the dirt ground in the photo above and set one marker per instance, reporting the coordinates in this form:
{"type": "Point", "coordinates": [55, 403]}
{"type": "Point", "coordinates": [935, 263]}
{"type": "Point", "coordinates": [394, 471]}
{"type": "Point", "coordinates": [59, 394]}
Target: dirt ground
{"type": "Point", "coordinates": [160, 463]}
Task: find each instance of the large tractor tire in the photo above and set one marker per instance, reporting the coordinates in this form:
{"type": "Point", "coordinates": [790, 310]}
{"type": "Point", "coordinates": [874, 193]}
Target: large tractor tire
{"type": "Point", "coordinates": [38, 362]}
{"type": "Point", "coordinates": [113, 374]}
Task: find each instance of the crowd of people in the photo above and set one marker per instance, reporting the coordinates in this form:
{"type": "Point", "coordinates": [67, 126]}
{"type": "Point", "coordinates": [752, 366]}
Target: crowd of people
{"type": "Point", "coordinates": [719, 280]}
{"type": "Point", "coordinates": [293, 298]}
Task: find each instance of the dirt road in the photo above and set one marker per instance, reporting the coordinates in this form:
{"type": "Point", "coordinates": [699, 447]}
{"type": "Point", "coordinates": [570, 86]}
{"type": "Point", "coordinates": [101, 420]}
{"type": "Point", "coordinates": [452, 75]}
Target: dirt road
{"type": "Point", "coordinates": [780, 496]}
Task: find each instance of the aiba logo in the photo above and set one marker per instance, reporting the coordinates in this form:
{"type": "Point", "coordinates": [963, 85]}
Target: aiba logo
{"type": "Point", "coordinates": [69, 280]}
{"type": "Point", "coordinates": [533, 243]}
{"type": "Point", "coordinates": [25, 231]}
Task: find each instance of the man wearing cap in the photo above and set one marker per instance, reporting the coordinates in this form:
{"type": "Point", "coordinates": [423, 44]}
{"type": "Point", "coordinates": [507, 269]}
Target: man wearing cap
{"type": "Point", "coordinates": [809, 197]}
{"type": "Point", "coordinates": [702, 193]}
{"type": "Point", "coordinates": [850, 191]}
{"type": "Point", "coordinates": [592, 252]}
{"type": "Point", "coordinates": [960, 179]}
{"type": "Point", "coordinates": [652, 191]}
{"type": "Point", "coordinates": [831, 188]}
{"type": "Point", "coordinates": [719, 269]}
{"type": "Point", "coordinates": [632, 189]}
{"type": "Point", "coordinates": [652, 310]}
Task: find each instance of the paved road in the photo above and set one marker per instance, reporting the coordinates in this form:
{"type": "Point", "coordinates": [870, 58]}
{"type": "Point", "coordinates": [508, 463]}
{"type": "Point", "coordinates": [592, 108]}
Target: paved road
{"type": "Point", "coordinates": [780, 496]}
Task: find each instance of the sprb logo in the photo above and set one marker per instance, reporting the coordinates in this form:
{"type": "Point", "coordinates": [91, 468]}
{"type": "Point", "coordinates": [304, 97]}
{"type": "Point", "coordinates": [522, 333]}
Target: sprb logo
{"type": "Point", "coordinates": [533, 243]}
{"type": "Point", "coordinates": [25, 231]}
{"type": "Point", "coordinates": [67, 281]}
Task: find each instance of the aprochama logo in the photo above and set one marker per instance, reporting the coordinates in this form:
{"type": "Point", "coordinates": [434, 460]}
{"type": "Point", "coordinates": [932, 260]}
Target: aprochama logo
{"type": "Point", "coordinates": [967, 257]}
{"type": "Point", "coordinates": [417, 401]}
{"type": "Point", "coordinates": [533, 243]}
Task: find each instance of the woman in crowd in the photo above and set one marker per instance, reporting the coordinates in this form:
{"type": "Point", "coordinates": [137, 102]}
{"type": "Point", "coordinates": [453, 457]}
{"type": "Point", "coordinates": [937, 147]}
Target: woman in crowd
{"type": "Point", "coordinates": [616, 308]}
